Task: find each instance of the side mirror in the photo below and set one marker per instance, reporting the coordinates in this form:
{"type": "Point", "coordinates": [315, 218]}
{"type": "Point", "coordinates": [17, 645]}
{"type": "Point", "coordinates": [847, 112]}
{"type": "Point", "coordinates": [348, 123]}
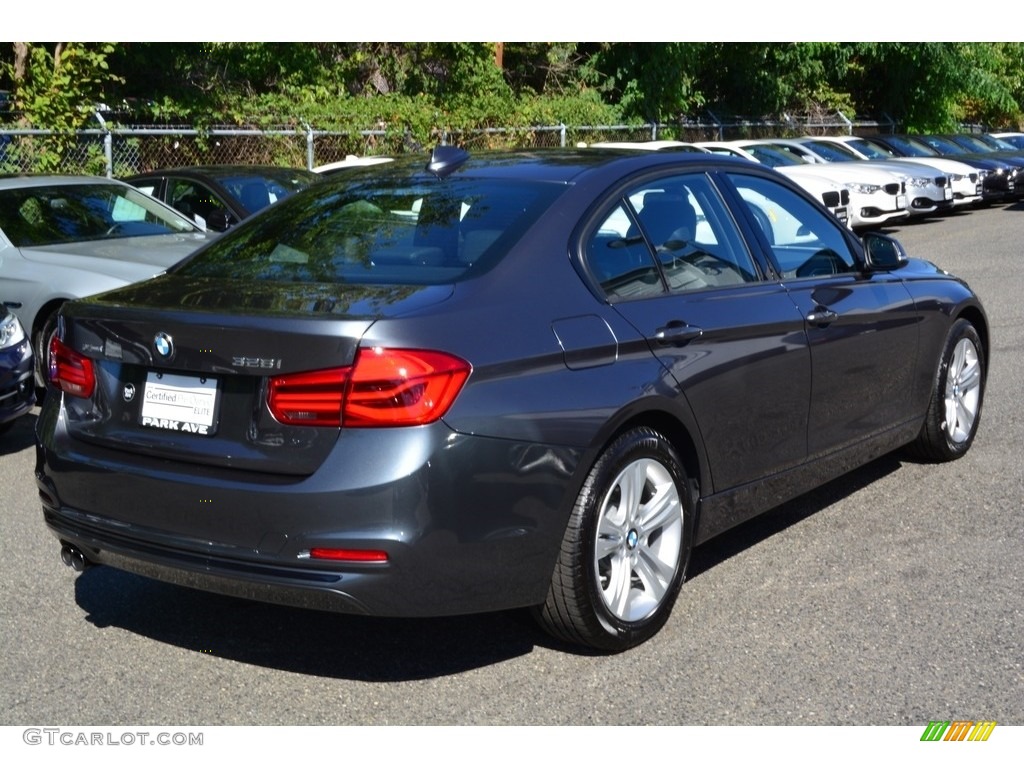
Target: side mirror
{"type": "Point", "coordinates": [882, 252]}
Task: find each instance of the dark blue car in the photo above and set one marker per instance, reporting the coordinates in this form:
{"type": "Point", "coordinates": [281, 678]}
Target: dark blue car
{"type": "Point", "coordinates": [485, 382]}
{"type": "Point", "coordinates": [17, 389]}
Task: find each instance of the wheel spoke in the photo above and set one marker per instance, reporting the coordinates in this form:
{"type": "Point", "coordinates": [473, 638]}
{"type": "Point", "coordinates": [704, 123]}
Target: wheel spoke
{"type": "Point", "coordinates": [609, 539]}
{"type": "Point", "coordinates": [619, 584]}
{"type": "Point", "coordinates": [631, 486]}
{"type": "Point", "coordinates": [964, 419]}
{"type": "Point", "coordinates": [970, 378]}
{"type": "Point", "coordinates": [654, 573]}
{"type": "Point", "coordinates": [663, 509]}
{"type": "Point", "coordinates": [956, 365]}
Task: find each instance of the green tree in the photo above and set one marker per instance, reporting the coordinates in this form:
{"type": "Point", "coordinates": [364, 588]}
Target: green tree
{"type": "Point", "coordinates": [934, 86]}
{"type": "Point", "coordinates": [772, 78]}
{"type": "Point", "coordinates": [648, 81]}
{"type": "Point", "coordinates": [57, 88]}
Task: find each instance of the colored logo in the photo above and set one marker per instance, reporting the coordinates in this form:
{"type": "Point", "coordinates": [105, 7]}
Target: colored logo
{"type": "Point", "coordinates": [958, 730]}
{"type": "Point", "coordinates": [164, 345]}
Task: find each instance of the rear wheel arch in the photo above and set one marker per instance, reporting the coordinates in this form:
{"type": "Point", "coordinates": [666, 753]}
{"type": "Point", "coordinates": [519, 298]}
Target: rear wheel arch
{"type": "Point", "coordinates": [677, 424]}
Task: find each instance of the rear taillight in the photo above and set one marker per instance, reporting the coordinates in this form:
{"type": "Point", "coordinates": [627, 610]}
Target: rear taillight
{"type": "Point", "coordinates": [312, 399]}
{"type": "Point", "coordinates": [70, 371]}
{"type": "Point", "coordinates": [402, 387]}
{"type": "Point", "coordinates": [384, 388]}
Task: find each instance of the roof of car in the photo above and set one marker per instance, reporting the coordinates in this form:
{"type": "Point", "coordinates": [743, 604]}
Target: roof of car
{"type": "Point", "coordinates": [21, 181]}
{"type": "Point", "coordinates": [224, 171]}
{"type": "Point", "coordinates": [559, 165]}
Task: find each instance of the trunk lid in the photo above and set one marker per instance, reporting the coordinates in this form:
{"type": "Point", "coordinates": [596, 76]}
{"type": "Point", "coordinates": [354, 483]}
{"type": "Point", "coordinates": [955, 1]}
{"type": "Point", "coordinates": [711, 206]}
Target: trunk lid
{"type": "Point", "coordinates": [182, 365]}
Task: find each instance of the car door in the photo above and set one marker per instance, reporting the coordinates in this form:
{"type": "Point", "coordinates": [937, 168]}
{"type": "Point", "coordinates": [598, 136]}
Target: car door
{"type": "Point", "coordinates": [862, 326]}
{"type": "Point", "coordinates": [670, 259]}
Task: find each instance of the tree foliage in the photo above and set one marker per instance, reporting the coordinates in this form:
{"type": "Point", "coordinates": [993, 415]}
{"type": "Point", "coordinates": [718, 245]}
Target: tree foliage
{"type": "Point", "coordinates": [426, 85]}
{"type": "Point", "coordinates": [57, 86]}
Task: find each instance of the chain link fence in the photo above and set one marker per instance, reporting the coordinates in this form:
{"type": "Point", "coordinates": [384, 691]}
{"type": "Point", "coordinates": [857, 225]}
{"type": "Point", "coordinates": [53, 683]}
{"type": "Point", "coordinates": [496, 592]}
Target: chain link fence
{"type": "Point", "coordinates": [123, 151]}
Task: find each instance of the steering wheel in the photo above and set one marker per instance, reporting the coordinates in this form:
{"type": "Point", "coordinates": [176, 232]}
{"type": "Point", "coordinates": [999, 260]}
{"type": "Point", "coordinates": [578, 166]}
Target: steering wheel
{"type": "Point", "coordinates": [823, 262]}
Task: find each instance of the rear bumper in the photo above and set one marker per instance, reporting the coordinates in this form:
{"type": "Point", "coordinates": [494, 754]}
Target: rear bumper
{"type": "Point", "coordinates": [468, 524]}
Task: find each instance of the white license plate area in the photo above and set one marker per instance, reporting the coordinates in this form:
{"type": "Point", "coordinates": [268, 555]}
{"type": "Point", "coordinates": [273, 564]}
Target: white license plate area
{"type": "Point", "coordinates": [842, 215]}
{"type": "Point", "coordinates": [901, 202]}
{"type": "Point", "coordinates": [179, 403]}
{"type": "Point", "coordinates": [948, 192]}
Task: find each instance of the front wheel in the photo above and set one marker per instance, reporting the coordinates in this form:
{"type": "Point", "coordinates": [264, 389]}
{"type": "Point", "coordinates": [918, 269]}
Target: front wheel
{"type": "Point", "coordinates": [625, 548]}
{"type": "Point", "coordinates": [957, 393]}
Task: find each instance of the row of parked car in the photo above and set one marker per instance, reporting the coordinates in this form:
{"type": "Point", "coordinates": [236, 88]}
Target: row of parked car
{"type": "Point", "coordinates": [66, 237]}
{"type": "Point", "coordinates": [872, 181]}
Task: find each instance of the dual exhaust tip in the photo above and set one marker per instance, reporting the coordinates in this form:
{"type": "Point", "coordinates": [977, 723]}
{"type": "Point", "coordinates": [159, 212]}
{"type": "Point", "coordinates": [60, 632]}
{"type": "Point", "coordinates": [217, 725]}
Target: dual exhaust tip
{"type": "Point", "coordinates": [73, 558]}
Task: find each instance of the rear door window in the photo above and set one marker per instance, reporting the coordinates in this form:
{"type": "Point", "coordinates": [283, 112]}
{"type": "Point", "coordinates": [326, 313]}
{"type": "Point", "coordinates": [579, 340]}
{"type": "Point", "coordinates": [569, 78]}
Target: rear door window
{"type": "Point", "coordinates": [671, 235]}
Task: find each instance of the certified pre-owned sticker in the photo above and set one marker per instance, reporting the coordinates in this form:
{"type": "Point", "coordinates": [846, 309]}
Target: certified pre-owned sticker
{"type": "Point", "coordinates": [179, 403]}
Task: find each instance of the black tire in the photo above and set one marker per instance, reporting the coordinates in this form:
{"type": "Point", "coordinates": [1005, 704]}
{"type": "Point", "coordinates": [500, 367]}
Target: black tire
{"type": "Point", "coordinates": [957, 394]}
{"type": "Point", "coordinates": [41, 348]}
{"type": "Point", "coordinates": [621, 565]}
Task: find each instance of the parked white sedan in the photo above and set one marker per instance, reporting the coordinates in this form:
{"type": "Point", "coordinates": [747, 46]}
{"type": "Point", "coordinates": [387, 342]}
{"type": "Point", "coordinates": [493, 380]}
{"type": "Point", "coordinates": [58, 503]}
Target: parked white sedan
{"type": "Point", "coordinates": [877, 197]}
{"type": "Point", "coordinates": [928, 190]}
{"type": "Point", "coordinates": [66, 237]}
{"type": "Point", "coordinates": [964, 180]}
{"type": "Point", "coordinates": [833, 193]}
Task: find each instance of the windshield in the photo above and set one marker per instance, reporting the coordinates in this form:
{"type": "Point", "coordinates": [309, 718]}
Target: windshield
{"type": "Point", "coordinates": [774, 157]}
{"type": "Point", "coordinates": [973, 144]}
{"type": "Point", "coordinates": [996, 143]}
{"type": "Point", "coordinates": [869, 149]}
{"type": "Point", "coordinates": [1013, 142]}
{"type": "Point", "coordinates": [944, 146]}
{"type": "Point", "coordinates": [831, 152]}
{"type": "Point", "coordinates": [70, 213]}
{"type": "Point", "coordinates": [385, 229]}
{"type": "Point", "coordinates": [910, 147]}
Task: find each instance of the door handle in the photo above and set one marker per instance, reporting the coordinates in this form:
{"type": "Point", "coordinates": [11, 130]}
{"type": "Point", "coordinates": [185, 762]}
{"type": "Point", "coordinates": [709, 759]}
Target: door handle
{"type": "Point", "coordinates": [822, 317]}
{"type": "Point", "coordinates": [677, 332]}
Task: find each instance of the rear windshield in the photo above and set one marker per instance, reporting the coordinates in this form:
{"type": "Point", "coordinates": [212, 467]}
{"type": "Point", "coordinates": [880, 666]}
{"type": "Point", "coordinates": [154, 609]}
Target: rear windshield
{"type": "Point", "coordinates": [257, 190]}
{"type": "Point", "coordinates": [376, 231]}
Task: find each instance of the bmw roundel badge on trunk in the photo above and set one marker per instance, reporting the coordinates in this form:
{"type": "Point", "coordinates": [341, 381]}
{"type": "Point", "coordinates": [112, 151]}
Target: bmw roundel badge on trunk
{"type": "Point", "coordinates": [164, 345]}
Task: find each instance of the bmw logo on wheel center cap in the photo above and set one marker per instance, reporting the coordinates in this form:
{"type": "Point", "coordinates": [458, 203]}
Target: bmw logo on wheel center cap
{"type": "Point", "coordinates": [164, 345]}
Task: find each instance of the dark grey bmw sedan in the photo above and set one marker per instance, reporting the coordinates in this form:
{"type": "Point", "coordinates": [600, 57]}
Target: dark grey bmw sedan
{"type": "Point", "coordinates": [486, 382]}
